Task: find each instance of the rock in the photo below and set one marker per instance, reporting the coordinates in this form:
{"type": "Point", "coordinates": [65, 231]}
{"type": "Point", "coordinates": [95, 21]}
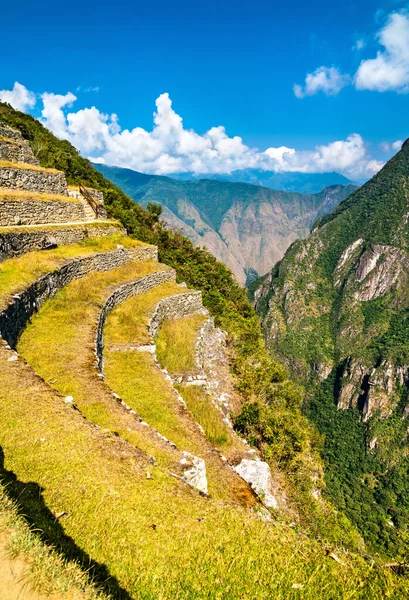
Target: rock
{"type": "Point", "coordinates": [257, 474]}
{"type": "Point", "coordinates": [195, 474]}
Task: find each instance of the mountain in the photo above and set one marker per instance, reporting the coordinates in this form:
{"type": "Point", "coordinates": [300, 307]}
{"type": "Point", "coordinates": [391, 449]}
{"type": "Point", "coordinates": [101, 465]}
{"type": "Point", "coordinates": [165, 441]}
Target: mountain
{"type": "Point", "coordinates": [247, 227]}
{"type": "Point", "coordinates": [336, 310]}
{"type": "Point", "coordinates": [304, 183]}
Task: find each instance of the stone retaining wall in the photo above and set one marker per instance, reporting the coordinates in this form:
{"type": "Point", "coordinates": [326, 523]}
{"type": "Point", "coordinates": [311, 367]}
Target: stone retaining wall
{"type": "Point", "coordinates": [15, 317]}
{"type": "Point", "coordinates": [15, 243]}
{"type": "Point", "coordinates": [175, 307]}
{"type": "Point", "coordinates": [33, 180]}
{"type": "Point", "coordinates": [15, 151]}
{"type": "Point", "coordinates": [33, 212]}
{"type": "Point", "coordinates": [13, 134]}
{"type": "Point", "coordinates": [123, 293]}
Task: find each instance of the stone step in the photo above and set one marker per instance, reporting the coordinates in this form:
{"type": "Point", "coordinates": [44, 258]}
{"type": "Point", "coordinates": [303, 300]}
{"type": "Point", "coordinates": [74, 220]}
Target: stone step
{"type": "Point", "coordinates": [31, 178]}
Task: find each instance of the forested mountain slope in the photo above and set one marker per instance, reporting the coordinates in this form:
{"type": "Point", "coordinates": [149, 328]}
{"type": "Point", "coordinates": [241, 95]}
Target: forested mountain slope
{"type": "Point", "coordinates": [336, 310]}
{"type": "Point", "coordinates": [245, 226]}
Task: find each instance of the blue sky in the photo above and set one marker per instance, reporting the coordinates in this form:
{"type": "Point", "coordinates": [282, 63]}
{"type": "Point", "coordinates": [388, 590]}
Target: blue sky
{"type": "Point", "coordinates": [224, 64]}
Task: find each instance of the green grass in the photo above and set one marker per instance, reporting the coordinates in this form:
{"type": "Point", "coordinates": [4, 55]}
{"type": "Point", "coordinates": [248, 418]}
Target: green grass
{"type": "Point", "coordinates": [176, 343]}
{"type": "Point", "coordinates": [63, 332]}
{"type": "Point", "coordinates": [18, 273]}
{"type": "Point", "coordinates": [207, 415]}
{"type": "Point", "coordinates": [46, 572]}
{"type": "Point", "coordinates": [199, 549]}
{"type": "Point", "coordinates": [128, 323]}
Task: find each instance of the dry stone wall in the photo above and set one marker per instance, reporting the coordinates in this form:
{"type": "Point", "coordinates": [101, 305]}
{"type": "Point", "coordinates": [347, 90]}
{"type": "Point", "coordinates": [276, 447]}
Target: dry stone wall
{"type": "Point", "coordinates": [15, 317]}
{"type": "Point", "coordinates": [15, 243]}
{"type": "Point", "coordinates": [15, 151]}
{"type": "Point", "coordinates": [175, 307]}
{"type": "Point", "coordinates": [33, 180]}
{"type": "Point", "coordinates": [33, 212]}
{"type": "Point", "coordinates": [123, 293]}
{"type": "Point", "coordinates": [8, 132]}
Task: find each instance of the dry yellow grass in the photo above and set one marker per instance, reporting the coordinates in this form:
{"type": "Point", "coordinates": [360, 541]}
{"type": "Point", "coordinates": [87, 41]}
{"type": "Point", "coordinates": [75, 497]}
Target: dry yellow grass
{"type": "Point", "coordinates": [17, 273]}
{"type": "Point", "coordinates": [6, 163]}
{"type": "Point", "coordinates": [10, 195]}
{"type": "Point", "coordinates": [176, 343]}
{"type": "Point", "coordinates": [159, 539]}
{"type": "Point", "coordinates": [8, 140]}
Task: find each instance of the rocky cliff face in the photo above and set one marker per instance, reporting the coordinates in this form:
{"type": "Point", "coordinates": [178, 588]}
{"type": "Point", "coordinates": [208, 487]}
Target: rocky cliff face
{"type": "Point", "coordinates": [248, 227]}
{"type": "Point", "coordinates": [336, 310]}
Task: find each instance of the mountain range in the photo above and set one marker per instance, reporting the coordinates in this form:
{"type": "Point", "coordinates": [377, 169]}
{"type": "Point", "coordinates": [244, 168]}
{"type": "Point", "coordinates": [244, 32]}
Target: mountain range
{"type": "Point", "coordinates": [336, 311]}
{"type": "Point", "coordinates": [305, 183]}
{"type": "Point", "coordinates": [248, 227]}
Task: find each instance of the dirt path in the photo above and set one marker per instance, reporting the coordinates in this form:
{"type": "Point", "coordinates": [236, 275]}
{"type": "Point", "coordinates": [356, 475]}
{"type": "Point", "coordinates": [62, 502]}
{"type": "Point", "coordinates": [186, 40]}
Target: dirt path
{"type": "Point", "coordinates": [14, 579]}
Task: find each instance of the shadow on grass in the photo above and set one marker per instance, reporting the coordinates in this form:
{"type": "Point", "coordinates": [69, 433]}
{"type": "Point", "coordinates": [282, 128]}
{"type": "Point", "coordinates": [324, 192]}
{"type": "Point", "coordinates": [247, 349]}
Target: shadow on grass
{"type": "Point", "coordinates": [30, 505]}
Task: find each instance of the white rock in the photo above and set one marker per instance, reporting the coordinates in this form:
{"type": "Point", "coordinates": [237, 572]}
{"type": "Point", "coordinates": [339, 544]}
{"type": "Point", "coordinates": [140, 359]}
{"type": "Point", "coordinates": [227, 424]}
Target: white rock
{"type": "Point", "coordinates": [257, 473]}
{"type": "Point", "coordinates": [12, 358]}
{"type": "Point", "coordinates": [69, 400]}
{"type": "Point", "coordinates": [196, 474]}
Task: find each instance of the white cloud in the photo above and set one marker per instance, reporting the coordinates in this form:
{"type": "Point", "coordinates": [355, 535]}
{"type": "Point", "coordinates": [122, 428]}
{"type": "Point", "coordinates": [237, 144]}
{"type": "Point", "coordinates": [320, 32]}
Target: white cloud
{"type": "Point", "coordinates": [169, 147]}
{"type": "Point", "coordinates": [53, 116]}
{"type": "Point", "coordinates": [391, 147]}
{"type": "Point", "coordinates": [389, 71]}
{"type": "Point", "coordinates": [324, 79]}
{"type": "Point", "coordinates": [19, 97]}
{"type": "Point", "coordinates": [359, 44]}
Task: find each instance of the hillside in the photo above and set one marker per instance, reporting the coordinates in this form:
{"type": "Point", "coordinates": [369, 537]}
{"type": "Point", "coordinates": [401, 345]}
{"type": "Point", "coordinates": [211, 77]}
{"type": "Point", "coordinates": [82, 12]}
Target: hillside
{"type": "Point", "coordinates": [245, 226]}
{"type": "Point", "coordinates": [335, 309]}
{"type": "Point", "coordinates": [155, 455]}
{"type": "Point", "coordinates": [304, 183]}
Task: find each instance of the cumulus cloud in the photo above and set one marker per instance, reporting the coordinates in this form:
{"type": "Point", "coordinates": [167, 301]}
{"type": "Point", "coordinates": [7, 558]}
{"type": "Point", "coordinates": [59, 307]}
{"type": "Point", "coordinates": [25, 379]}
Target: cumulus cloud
{"type": "Point", "coordinates": [170, 148]}
{"type": "Point", "coordinates": [391, 146]}
{"type": "Point", "coordinates": [390, 69]}
{"type": "Point", "coordinates": [19, 97]}
{"type": "Point", "coordinates": [328, 80]}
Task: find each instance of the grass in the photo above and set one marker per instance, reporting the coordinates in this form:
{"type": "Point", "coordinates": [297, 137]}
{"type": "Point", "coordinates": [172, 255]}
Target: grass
{"type": "Point", "coordinates": [53, 226]}
{"type": "Point", "coordinates": [26, 167]}
{"type": "Point", "coordinates": [63, 332]}
{"type": "Point", "coordinates": [6, 194]}
{"type": "Point", "coordinates": [176, 343]}
{"type": "Point", "coordinates": [18, 273]}
{"type": "Point", "coordinates": [199, 548]}
{"type": "Point", "coordinates": [47, 572]}
{"type": "Point", "coordinates": [139, 382]}
{"type": "Point", "coordinates": [128, 323]}
{"type": "Point", "coordinates": [207, 415]}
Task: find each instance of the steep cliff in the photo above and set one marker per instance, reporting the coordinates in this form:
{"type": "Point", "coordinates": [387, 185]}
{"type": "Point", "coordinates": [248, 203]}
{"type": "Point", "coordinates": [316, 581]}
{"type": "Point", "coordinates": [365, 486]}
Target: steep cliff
{"type": "Point", "coordinates": [336, 310]}
{"type": "Point", "coordinates": [248, 227]}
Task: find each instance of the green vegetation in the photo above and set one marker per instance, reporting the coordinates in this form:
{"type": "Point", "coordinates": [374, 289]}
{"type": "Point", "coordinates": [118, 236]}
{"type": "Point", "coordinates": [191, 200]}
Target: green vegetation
{"type": "Point", "coordinates": [207, 415]}
{"type": "Point", "coordinates": [176, 343]}
{"type": "Point", "coordinates": [319, 326]}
